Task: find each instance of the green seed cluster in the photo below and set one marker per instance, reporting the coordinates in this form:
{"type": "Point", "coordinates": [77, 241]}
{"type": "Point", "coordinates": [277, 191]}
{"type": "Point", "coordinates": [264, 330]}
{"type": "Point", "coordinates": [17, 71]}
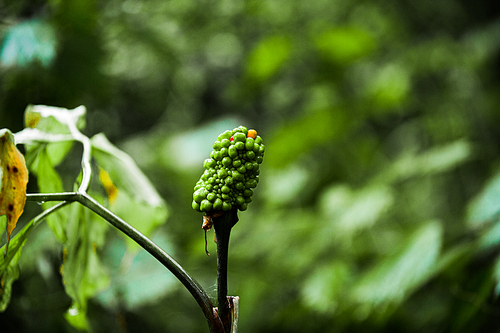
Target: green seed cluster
{"type": "Point", "coordinates": [231, 172]}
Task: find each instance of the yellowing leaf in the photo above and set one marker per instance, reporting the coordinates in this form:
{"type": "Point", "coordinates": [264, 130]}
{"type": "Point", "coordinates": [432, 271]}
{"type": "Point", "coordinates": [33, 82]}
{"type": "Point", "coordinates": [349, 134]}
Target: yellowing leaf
{"type": "Point", "coordinates": [108, 185]}
{"type": "Point", "coordinates": [14, 178]}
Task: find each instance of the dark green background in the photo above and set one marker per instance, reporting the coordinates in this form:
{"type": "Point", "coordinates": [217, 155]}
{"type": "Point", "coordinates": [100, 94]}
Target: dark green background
{"type": "Point", "coordinates": [378, 204]}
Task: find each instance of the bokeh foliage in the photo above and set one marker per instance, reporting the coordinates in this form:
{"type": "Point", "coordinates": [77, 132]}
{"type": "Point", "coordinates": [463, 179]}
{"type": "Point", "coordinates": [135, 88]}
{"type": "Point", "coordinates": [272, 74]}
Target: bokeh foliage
{"type": "Point", "coordinates": [378, 202]}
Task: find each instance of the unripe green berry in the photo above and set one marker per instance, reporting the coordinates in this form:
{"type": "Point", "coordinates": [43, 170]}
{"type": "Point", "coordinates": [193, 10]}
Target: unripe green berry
{"type": "Point", "coordinates": [227, 161]}
{"type": "Point", "coordinates": [222, 173]}
{"type": "Point", "coordinates": [226, 206]}
{"type": "Point", "coordinates": [216, 145]}
{"type": "Point", "coordinates": [229, 181]}
{"type": "Point", "coordinates": [211, 197]}
{"type": "Point", "coordinates": [232, 151]}
{"type": "Point", "coordinates": [249, 144]}
{"type": "Point", "coordinates": [242, 169]}
{"type": "Point", "coordinates": [239, 145]}
{"type": "Point", "coordinates": [251, 183]}
{"type": "Point", "coordinates": [239, 137]}
{"type": "Point", "coordinates": [240, 200]}
{"type": "Point", "coordinates": [217, 204]}
{"type": "Point", "coordinates": [206, 206]}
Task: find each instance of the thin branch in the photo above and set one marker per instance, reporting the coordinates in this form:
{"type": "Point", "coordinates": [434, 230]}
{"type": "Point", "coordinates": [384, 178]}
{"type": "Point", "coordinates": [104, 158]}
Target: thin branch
{"type": "Point", "coordinates": [190, 283]}
{"type": "Point", "coordinates": [222, 226]}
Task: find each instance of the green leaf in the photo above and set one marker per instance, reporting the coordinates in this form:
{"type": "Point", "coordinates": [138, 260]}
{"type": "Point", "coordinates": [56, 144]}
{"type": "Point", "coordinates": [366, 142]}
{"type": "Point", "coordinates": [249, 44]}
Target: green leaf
{"type": "Point", "coordinates": [9, 270]}
{"type": "Point", "coordinates": [49, 181]}
{"type": "Point", "coordinates": [268, 57]}
{"type": "Point", "coordinates": [124, 172]}
{"type": "Point", "coordinates": [143, 217]}
{"type": "Point", "coordinates": [83, 274]}
{"type": "Point", "coordinates": [394, 278]}
{"type": "Point", "coordinates": [28, 42]}
{"type": "Point", "coordinates": [53, 125]}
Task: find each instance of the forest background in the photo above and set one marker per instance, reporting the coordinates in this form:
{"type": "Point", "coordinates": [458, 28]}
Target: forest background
{"type": "Point", "coordinates": [378, 204]}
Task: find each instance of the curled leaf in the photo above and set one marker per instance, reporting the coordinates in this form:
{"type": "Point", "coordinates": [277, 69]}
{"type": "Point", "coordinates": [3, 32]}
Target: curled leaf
{"type": "Point", "coordinates": [14, 178]}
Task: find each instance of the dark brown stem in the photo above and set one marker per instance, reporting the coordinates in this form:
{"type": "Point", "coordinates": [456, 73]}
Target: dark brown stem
{"type": "Point", "coordinates": [222, 227]}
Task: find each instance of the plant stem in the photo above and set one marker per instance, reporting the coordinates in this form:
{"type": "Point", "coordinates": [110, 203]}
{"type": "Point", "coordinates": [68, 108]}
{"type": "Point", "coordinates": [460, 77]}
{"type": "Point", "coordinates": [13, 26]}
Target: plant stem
{"type": "Point", "coordinates": [191, 284]}
{"type": "Point", "coordinates": [222, 227]}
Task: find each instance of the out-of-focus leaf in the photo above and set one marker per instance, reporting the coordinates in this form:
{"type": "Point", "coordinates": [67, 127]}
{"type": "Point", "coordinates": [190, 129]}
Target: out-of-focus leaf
{"type": "Point", "coordinates": [7, 277]}
{"type": "Point", "coordinates": [83, 274]}
{"type": "Point", "coordinates": [136, 280]}
{"type": "Point", "coordinates": [9, 271]}
{"type": "Point", "coordinates": [389, 87]}
{"type": "Point", "coordinates": [134, 199]}
{"type": "Point", "coordinates": [29, 42]}
{"type": "Point", "coordinates": [435, 160]}
{"type": "Point", "coordinates": [354, 210]}
{"type": "Point", "coordinates": [50, 121]}
{"type": "Point", "coordinates": [345, 45]}
{"type": "Point", "coordinates": [496, 275]}
{"type": "Point", "coordinates": [53, 119]}
{"type": "Point", "coordinates": [324, 288]}
{"type": "Point", "coordinates": [145, 218]}
{"type": "Point", "coordinates": [13, 180]}
{"type": "Point", "coordinates": [49, 181]}
{"type": "Point", "coordinates": [300, 135]}
{"type": "Point", "coordinates": [124, 172]}
{"type": "Point", "coordinates": [393, 279]}
{"type": "Point", "coordinates": [268, 57]}
{"type": "Point", "coordinates": [284, 186]}
{"type": "Point", "coordinates": [485, 207]}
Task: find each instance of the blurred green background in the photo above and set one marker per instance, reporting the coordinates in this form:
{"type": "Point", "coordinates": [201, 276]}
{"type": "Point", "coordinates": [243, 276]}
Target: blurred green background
{"type": "Point", "coordinates": [378, 208]}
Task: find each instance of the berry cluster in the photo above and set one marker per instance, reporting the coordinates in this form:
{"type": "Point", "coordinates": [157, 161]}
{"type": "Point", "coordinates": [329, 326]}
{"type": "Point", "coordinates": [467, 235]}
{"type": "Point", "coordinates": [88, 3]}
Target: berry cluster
{"type": "Point", "coordinates": [231, 172]}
